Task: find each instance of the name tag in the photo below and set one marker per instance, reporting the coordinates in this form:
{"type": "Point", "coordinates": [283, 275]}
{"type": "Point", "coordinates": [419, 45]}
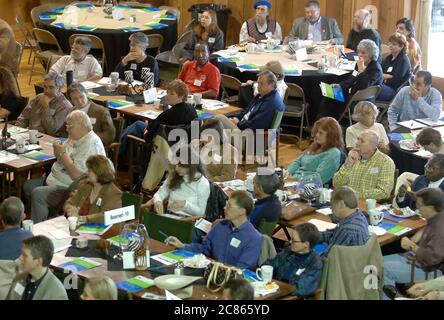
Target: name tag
{"type": "Point", "coordinates": [268, 34]}
{"type": "Point", "coordinates": [355, 73]}
{"type": "Point", "coordinates": [99, 202]}
{"type": "Point", "coordinates": [390, 69]}
{"type": "Point", "coordinates": [300, 271]}
{"type": "Point", "coordinates": [133, 66]}
{"type": "Point", "coordinates": [211, 40]}
{"type": "Point", "coordinates": [19, 289]}
{"type": "Point", "coordinates": [93, 121]}
{"type": "Point", "coordinates": [197, 83]}
{"type": "Point", "coordinates": [235, 243]}
{"type": "Point", "coordinates": [374, 170]}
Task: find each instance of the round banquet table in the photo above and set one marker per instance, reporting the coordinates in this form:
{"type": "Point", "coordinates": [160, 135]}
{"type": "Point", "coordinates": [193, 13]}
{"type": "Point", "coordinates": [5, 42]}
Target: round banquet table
{"type": "Point", "coordinates": [405, 161]}
{"type": "Point", "coordinates": [309, 80]}
{"type": "Point", "coordinates": [109, 31]}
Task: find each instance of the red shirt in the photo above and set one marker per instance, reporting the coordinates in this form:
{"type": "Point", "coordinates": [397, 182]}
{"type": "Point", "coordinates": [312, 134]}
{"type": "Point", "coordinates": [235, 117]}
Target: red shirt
{"type": "Point", "coordinates": [200, 79]}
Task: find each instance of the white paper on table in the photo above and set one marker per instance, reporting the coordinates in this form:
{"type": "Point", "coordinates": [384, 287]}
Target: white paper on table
{"type": "Point", "coordinates": [325, 211]}
{"type": "Point", "coordinates": [16, 130]}
{"type": "Point", "coordinates": [29, 148]}
{"type": "Point", "coordinates": [149, 114]}
{"type": "Point", "coordinates": [165, 260]}
{"type": "Point", "coordinates": [60, 245]}
{"type": "Point", "coordinates": [412, 124]}
{"type": "Point", "coordinates": [336, 71]}
{"type": "Point", "coordinates": [423, 153]}
{"type": "Point", "coordinates": [104, 81]}
{"type": "Point", "coordinates": [7, 156]}
{"type": "Point", "coordinates": [347, 65]}
{"type": "Point", "coordinates": [301, 55]}
{"type": "Point", "coordinates": [59, 234]}
{"type": "Point", "coordinates": [170, 296]}
{"type": "Point", "coordinates": [429, 122]}
{"type": "Point", "coordinates": [230, 54]}
{"type": "Point", "coordinates": [203, 225]}
{"type": "Point", "coordinates": [322, 225]}
{"type": "Point", "coordinates": [213, 104]}
{"type": "Point", "coordinates": [90, 85]}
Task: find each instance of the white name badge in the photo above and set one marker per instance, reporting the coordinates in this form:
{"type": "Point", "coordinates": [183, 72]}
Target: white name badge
{"type": "Point", "coordinates": [197, 83]}
{"type": "Point", "coordinates": [356, 58]}
{"type": "Point", "coordinates": [150, 95]}
{"type": "Point", "coordinates": [301, 54]}
{"type": "Point", "coordinates": [355, 73]}
{"type": "Point", "coordinates": [300, 271]}
{"type": "Point", "coordinates": [133, 66]}
{"type": "Point", "coordinates": [268, 34]}
{"type": "Point", "coordinates": [119, 215]}
{"type": "Point", "coordinates": [93, 121]}
{"type": "Point", "coordinates": [19, 289]}
{"type": "Point", "coordinates": [374, 170]}
{"type": "Point", "coordinates": [211, 40]}
{"type": "Point", "coordinates": [390, 69]}
{"type": "Point", "coordinates": [235, 242]}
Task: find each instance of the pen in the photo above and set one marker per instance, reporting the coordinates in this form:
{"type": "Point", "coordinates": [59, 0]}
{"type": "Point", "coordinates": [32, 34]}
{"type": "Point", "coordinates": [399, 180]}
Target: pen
{"type": "Point", "coordinates": [163, 234]}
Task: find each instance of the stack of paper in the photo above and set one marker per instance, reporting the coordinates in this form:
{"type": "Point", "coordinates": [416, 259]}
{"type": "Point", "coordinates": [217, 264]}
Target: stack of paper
{"type": "Point", "coordinates": [6, 156]}
{"type": "Point", "coordinates": [213, 104]}
{"type": "Point", "coordinates": [38, 156]}
{"type": "Point", "coordinates": [135, 284]}
{"type": "Point", "coordinates": [119, 104]}
{"type": "Point", "coordinates": [394, 229]}
{"type": "Point", "coordinates": [93, 228]}
{"type": "Point", "coordinates": [150, 114]}
{"type": "Point", "coordinates": [90, 85]}
{"type": "Point", "coordinates": [80, 264]}
{"type": "Point", "coordinates": [248, 67]}
{"type": "Point", "coordinates": [170, 258]}
{"type": "Point", "coordinates": [431, 123]}
{"type": "Point", "coordinates": [412, 124]}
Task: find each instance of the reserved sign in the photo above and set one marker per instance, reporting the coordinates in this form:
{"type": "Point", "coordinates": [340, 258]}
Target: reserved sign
{"type": "Point", "coordinates": [119, 215]}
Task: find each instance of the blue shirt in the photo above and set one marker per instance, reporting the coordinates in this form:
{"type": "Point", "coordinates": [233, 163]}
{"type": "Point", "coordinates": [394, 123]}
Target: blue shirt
{"type": "Point", "coordinates": [260, 112]}
{"type": "Point", "coordinates": [350, 231]}
{"type": "Point", "coordinates": [404, 108]}
{"type": "Point", "coordinates": [268, 209]}
{"type": "Point", "coordinates": [315, 29]}
{"type": "Point", "coordinates": [240, 247]}
{"type": "Point", "coordinates": [11, 241]}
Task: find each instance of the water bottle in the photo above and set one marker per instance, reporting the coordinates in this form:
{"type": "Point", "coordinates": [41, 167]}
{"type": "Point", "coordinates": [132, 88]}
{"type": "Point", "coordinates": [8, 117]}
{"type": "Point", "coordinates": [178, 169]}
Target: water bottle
{"type": "Point", "coordinates": [69, 78]}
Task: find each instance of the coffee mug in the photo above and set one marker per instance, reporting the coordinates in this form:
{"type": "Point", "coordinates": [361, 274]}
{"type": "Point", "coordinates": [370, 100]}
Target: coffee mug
{"type": "Point", "coordinates": [72, 223]}
{"type": "Point", "coordinates": [375, 216]}
{"type": "Point", "coordinates": [33, 136]}
{"type": "Point", "coordinates": [21, 144]}
{"type": "Point", "coordinates": [370, 204]}
{"type": "Point", "coordinates": [251, 48]}
{"type": "Point", "coordinates": [266, 273]}
{"type": "Point", "coordinates": [28, 225]}
{"type": "Point", "coordinates": [197, 98]}
{"type": "Point", "coordinates": [114, 76]}
{"type": "Point", "coordinates": [156, 104]}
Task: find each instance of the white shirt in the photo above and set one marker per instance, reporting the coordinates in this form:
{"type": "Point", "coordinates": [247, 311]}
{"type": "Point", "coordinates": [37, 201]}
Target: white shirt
{"type": "Point", "coordinates": [82, 70]}
{"type": "Point", "coordinates": [436, 184]}
{"type": "Point", "coordinates": [315, 30]}
{"type": "Point", "coordinates": [79, 151]}
{"type": "Point", "coordinates": [281, 88]}
{"type": "Point", "coordinates": [243, 35]}
{"type": "Point", "coordinates": [195, 193]}
{"type": "Point", "coordinates": [355, 131]}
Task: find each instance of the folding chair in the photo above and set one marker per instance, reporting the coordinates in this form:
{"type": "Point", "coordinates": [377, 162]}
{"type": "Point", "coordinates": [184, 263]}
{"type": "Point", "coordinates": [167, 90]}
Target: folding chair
{"type": "Point", "coordinates": [29, 41]}
{"type": "Point", "coordinates": [97, 46]}
{"type": "Point", "coordinates": [230, 84]}
{"type": "Point", "coordinates": [362, 95]}
{"type": "Point", "coordinates": [112, 150]}
{"type": "Point", "coordinates": [155, 42]}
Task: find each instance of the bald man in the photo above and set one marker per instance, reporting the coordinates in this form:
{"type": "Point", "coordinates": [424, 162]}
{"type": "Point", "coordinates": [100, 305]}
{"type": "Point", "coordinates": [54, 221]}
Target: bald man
{"type": "Point", "coordinates": [7, 45]}
{"type": "Point", "coordinates": [362, 30]}
{"type": "Point", "coordinates": [367, 170]}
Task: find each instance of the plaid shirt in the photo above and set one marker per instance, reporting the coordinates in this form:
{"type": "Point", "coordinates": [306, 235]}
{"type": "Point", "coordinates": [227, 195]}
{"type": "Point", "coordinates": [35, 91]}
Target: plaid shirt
{"type": "Point", "coordinates": [371, 179]}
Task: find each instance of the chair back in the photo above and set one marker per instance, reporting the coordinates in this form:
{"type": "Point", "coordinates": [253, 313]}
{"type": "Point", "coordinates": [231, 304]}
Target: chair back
{"type": "Point", "coordinates": [294, 91]}
{"type": "Point", "coordinates": [17, 58]}
{"type": "Point", "coordinates": [160, 227]}
{"type": "Point", "coordinates": [97, 47]}
{"type": "Point", "coordinates": [155, 41]}
{"type": "Point", "coordinates": [267, 227]}
{"type": "Point", "coordinates": [365, 94]}
{"type": "Point", "coordinates": [129, 199]}
{"type": "Point", "coordinates": [44, 38]}
{"type": "Point", "coordinates": [52, 60]}
{"type": "Point", "coordinates": [23, 28]}
{"type": "Point", "coordinates": [229, 83]}
{"type": "Point", "coordinates": [172, 10]}
{"type": "Point", "coordinates": [119, 124]}
{"type": "Point", "coordinates": [37, 11]}
{"type": "Point", "coordinates": [277, 119]}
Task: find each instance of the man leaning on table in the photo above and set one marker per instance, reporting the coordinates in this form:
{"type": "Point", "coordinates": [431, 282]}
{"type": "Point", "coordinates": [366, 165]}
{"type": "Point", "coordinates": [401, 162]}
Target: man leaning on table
{"type": "Point", "coordinates": [36, 282]}
{"type": "Point", "coordinates": [261, 26]}
{"type": "Point", "coordinates": [84, 66]}
{"type": "Point", "coordinates": [418, 101]}
{"type": "Point", "coordinates": [234, 240]}
{"type": "Point", "coordinates": [46, 112]}
{"type": "Point", "coordinates": [367, 170]}
{"type": "Point", "coordinates": [316, 28]}
{"type": "Point", "coordinates": [70, 165]}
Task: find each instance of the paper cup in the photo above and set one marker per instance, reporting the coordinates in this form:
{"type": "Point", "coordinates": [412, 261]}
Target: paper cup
{"type": "Point", "coordinates": [72, 223]}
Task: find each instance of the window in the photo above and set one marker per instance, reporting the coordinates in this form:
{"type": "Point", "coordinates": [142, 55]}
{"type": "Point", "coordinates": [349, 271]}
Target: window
{"type": "Point", "coordinates": [436, 39]}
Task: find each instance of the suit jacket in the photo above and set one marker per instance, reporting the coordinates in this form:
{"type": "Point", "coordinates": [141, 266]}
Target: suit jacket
{"type": "Point", "coordinates": [8, 271]}
{"type": "Point", "coordinates": [49, 289]}
{"type": "Point", "coordinates": [421, 182]}
{"type": "Point", "coordinates": [329, 26]}
{"type": "Point", "coordinates": [109, 198]}
{"type": "Point", "coordinates": [7, 45]}
{"type": "Point", "coordinates": [372, 76]}
{"type": "Point", "coordinates": [102, 123]}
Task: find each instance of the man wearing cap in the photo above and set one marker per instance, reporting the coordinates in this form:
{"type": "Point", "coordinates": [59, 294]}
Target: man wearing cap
{"type": "Point", "coordinates": [84, 66]}
{"type": "Point", "coordinates": [261, 26]}
{"type": "Point", "coordinates": [137, 59]}
{"type": "Point", "coordinates": [314, 27]}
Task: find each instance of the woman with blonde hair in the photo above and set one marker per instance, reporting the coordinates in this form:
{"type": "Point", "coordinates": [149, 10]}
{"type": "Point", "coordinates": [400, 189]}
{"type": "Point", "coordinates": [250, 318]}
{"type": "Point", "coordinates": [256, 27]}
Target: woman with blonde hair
{"type": "Point", "coordinates": [99, 288]}
{"type": "Point", "coordinates": [207, 32]}
{"type": "Point", "coordinates": [366, 113]}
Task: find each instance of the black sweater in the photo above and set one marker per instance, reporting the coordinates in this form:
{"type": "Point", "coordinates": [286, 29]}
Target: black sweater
{"type": "Point", "coordinates": [401, 70]}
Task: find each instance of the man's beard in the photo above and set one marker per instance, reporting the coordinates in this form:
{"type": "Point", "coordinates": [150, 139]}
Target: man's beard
{"type": "Point", "coordinates": [260, 20]}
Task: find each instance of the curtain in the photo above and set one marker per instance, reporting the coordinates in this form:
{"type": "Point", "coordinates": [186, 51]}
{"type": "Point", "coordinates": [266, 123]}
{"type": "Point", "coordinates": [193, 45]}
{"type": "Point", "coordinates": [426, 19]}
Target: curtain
{"type": "Point", "coordinates": [423, 23]}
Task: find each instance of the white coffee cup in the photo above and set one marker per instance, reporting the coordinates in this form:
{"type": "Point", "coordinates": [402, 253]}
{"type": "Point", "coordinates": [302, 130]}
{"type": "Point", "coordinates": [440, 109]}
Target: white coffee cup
{"type": "Point", "coordinates": [28, 225]}
{"type": "Point", "coordinates": [197, 98]}
{"type": "Point", "coordinates": [72, 223]}
{"type": "Point", "coordinates": [21, 144]}
{"type": "Point", "coordinates": [190, 99]}
{"type": "Point", "coordinates": [375, 216]}
{"type": "Point", "coordinates": [266, 273]}
{"type": "Point", "coordinates": [114, 76]}
{"type": "Point", "coordinates": [33, 136]}
{"type": "Point", "coordinates": [251, 48]}
{"type": "Point", "coordinates": [156, 103]}
{"type": "Point", "coordinates": [370, 204]}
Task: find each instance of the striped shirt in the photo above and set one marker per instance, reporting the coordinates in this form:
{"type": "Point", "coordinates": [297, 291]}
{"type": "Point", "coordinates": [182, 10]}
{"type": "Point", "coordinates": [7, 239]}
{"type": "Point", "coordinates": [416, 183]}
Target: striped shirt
{"type": "Point", "coordinates": [350, 231]}
{"type": "Point", "coordinates": [371, 179]}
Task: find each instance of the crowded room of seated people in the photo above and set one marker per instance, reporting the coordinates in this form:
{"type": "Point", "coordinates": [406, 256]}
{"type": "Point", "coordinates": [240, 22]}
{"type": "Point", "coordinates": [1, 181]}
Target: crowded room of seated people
{"type": "Point", "coordinates": [171, 150]}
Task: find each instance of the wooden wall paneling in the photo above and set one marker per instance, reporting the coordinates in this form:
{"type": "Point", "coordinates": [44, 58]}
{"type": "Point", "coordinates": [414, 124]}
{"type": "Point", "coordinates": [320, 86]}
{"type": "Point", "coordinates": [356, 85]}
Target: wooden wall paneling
{"type": "Point", "coordinates": [235, 21]}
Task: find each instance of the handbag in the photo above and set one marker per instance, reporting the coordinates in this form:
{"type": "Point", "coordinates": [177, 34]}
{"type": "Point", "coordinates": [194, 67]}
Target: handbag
{"type": "Point", "coordinates": [217, 274]}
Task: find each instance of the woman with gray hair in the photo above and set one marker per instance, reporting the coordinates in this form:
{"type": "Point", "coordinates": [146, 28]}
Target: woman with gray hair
{"type": "Point", "coordinates": [366, 113]}
{"type": "Point", "coordinates": [137, 59]}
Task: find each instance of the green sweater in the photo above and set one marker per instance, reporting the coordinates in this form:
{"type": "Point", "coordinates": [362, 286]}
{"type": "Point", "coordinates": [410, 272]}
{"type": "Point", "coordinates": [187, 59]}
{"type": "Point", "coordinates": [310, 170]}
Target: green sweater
{"type": "Point", "coordinates": [325, 163]}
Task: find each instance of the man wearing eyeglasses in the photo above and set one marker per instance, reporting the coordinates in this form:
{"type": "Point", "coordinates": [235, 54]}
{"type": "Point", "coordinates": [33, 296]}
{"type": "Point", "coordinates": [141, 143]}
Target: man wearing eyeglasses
{"type": "Point", "coordinates": [261, 26]}
{"type": "Point", "coordinates": [418, 101]}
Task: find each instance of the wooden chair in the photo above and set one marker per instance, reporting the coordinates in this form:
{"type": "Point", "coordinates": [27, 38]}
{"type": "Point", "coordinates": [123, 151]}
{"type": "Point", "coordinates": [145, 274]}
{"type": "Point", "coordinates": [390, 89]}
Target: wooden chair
{"type": "Point", "coordinates": [29, 41]}
{"type": "Point", "coordinates": [37, 11]}
{"type": "Point", "coordinates": [96, 47]}
{"type": "Point", "coordinates": [230, 84]}
{"type": "Point", "coordinates": [155, 41]}
{"type": "Point", "coordinates": [412, 260]}
{"type": "Point", "coordinates": [362, 95]}
{"type": "Point", "coordinates": [112, 150]}
{"type": "Point", "coordinates": [296, 106]}
{"type": "Point", "coordinates": [44, 39]}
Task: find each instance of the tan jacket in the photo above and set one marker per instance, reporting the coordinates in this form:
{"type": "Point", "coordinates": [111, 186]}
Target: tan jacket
{"type": "Point", "coordinates": [109, 198]}
{"type": "Point", "coordinates": [8, 271]}
{"type": "Point", "coordinates": [7, 45]}
{"type": "Point", "coordinates": [217, 170]}
{"type": "Point", "coordinates": [102, 123]}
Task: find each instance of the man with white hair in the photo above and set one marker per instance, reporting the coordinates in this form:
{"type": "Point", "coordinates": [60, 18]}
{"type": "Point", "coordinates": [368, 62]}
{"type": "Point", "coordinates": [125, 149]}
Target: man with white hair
{"type": "Point", "coordinates": [70, 165]}
{"type": "Point", "coordinates": [84, 66]}
{"type": "Point", "coordinates": [367, 170]}
{"type": "Point", "coordinates": [362, 30]}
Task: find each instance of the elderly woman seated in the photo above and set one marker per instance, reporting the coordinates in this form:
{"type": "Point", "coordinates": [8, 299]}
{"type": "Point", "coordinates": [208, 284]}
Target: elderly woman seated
{"type": "Point", "coordinates": [324, 154]}
{"type": "Point", "coordinates": [137, 59]}
{"type": "Point", "coordinates": [186, 190]}
{"type": "Point", "coordinates": [70, 165]}
{"type": "Point", "coordinates": [366, 113]}
{"type": "Point", "coordinates": [96, 193]}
